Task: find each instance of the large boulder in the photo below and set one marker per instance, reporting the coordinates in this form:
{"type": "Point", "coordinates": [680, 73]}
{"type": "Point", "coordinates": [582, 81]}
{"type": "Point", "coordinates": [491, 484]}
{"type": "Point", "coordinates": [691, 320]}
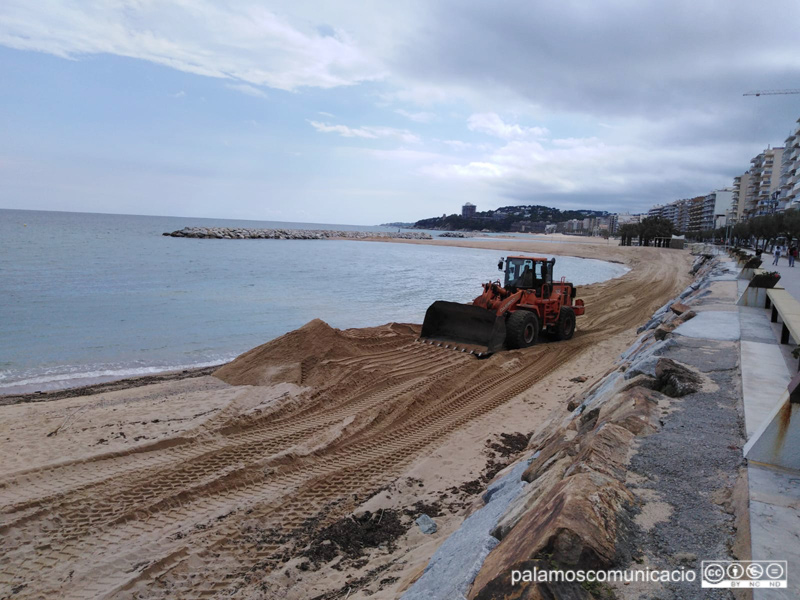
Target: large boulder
{"type": "Point", "coordinates": [676, 379]}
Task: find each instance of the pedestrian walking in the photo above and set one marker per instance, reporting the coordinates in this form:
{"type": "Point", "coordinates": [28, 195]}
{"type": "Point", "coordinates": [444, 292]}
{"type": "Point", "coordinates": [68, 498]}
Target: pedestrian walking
{"type": "Point", "coordinates": [792, 255]}
{"type": "Point", "coordinates": [777, 255]}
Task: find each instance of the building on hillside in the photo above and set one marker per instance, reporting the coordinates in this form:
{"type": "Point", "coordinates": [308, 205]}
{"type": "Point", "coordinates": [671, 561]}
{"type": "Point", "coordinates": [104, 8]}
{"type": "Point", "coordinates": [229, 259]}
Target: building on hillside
{"type": "Point", "coordinates": [529, 226]}
{"type": "Point", "coordinates": [790, 172]}
{"type": "Point", "coordinates": [468, 210]}
{"type": "Point", "coordinates": [572, 226]}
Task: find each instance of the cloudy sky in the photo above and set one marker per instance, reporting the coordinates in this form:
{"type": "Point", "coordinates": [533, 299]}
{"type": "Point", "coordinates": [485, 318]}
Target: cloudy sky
{"type": "Point", "coordinates": [379, 111]}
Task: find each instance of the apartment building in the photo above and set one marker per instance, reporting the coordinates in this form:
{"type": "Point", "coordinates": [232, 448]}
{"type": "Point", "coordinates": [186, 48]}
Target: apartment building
{"type": "Point", "coordinates": [672, 211]}
{"type": "Point", "coordinates": [751, 191]}
{"type": "Point", "coordinates": [790, 172]}
{"type": "Point", "coordinates": [740, 185]}
{"type": "Point", "coordinates": [769, 188]}
{"type": "Point", "coordinates": [691, 215]}
{"type": "Point", "coordinates": [694, 210]}
{"type": "Point", "coordinates": [572, 226]}
{"type": "Point", "coordinates": [763, 189]}
{"type": "Point", "coordinates": [619, 219]}
{"type": "Point", "coordinates": [716, 207]}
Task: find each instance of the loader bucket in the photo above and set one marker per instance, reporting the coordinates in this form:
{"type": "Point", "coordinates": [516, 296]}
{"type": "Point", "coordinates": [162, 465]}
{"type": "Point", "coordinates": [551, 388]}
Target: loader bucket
{"type": "Point", "coordinates": [456, 323]}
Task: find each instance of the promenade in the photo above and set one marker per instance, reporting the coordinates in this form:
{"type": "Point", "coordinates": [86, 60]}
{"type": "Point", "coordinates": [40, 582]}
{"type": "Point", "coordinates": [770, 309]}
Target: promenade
{"type": "Point", "coordinates": [790, 276]}
{"type": "Point", "coordinates": [767, 368]}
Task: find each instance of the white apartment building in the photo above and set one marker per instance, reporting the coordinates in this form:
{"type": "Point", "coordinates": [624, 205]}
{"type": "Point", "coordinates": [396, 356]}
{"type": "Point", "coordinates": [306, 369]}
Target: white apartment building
{"type": "Point", "coordinates": [617, 220]}
{"type": "Point", "coordinates": [761, 197]}
{"type": "Point", "coordinates": [738, 199]}
{"type": "Point", "coordinates": [716, 207]}
{"type": "Point", "coordinates": [790, 172]}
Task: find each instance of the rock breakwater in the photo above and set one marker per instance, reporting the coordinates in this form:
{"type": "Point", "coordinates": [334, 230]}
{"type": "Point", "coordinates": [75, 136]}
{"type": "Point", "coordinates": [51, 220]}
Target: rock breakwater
{"type": "Point", "coordinates": [457, 234]}
{"type": "Point", "coordinates": [241, 233]}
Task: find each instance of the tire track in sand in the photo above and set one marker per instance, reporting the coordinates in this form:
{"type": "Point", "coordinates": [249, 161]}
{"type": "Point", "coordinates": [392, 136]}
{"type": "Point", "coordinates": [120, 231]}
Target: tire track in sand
{"type": "Point", "coordinates": [148, 529]}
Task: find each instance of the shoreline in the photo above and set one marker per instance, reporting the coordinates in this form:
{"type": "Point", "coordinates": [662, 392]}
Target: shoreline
{"type": "Point", "coordinates": [559, 244]}
{"type": "Point", "coordinates": [107, 386]}
{"type": "Point", "coordinates": [64, 390]}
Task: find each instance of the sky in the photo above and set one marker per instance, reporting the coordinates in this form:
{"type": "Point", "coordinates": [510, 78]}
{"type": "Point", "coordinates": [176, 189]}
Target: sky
{"type": "Point", "coordinates": [370, 112]}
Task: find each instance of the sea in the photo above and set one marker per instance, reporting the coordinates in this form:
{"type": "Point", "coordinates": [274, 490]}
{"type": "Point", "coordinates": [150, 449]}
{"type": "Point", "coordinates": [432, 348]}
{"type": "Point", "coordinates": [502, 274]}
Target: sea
{"type": "Point", "coordinates": [86, 298]}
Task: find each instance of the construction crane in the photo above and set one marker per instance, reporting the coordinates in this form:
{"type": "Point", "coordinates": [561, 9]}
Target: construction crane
{"type": "Point", "coordinates": [770, 92]}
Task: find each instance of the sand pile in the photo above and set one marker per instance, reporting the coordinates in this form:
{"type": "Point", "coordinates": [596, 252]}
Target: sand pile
{"type": "Point", "coordinates": [301, 356]}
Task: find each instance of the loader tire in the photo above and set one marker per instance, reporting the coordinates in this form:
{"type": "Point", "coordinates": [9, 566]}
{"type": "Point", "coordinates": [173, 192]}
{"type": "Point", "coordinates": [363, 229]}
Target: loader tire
{"type": "Point", "coordinates": [565, 327]}
{"type": "Point", "coordinates": [522, 329]}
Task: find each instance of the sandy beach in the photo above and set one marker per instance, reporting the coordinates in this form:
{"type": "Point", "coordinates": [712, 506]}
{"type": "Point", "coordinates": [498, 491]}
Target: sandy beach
{"type": "Point", "coordinates": [259, 478]}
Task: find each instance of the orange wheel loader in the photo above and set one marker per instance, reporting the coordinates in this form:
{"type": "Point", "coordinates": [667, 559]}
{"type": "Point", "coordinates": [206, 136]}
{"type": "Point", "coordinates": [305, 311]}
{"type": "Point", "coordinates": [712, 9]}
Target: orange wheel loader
{"type": "Point", "coordinates": [507, 316]}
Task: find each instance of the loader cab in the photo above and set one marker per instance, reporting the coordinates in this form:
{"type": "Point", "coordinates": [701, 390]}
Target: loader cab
{"type": "Point", "coordinates": [525, 273]}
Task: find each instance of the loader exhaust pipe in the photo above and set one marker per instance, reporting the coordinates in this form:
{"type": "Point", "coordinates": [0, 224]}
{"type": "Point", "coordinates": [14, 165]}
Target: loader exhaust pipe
{"type": "Point", "coordinates": [466, 324]}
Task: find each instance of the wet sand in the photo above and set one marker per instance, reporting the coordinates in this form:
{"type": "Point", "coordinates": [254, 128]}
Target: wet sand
{"type": "Point", "coordinates": [205, 485]}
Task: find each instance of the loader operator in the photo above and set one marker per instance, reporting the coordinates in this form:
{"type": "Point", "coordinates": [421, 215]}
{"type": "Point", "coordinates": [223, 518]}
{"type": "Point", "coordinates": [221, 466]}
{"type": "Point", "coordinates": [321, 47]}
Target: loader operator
{"type": "Point", "coordinates": [526, 279]}
{"type": "Point", "coordinates": [529, 279]}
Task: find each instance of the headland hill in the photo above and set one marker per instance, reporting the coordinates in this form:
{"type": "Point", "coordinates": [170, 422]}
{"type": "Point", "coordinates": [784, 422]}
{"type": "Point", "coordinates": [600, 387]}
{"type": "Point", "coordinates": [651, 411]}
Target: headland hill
{"type": "Point", "coordinates": [532, 218]}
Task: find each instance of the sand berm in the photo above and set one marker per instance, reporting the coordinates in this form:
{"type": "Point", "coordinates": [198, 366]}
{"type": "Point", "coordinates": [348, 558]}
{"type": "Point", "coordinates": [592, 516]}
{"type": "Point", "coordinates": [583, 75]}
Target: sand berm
{"type": "Point", "coordinates": [297, 470]}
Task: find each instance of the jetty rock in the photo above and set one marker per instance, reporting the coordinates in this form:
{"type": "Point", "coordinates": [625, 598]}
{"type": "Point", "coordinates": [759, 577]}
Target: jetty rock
{"type": "Point", "coordinates": [241, 233]}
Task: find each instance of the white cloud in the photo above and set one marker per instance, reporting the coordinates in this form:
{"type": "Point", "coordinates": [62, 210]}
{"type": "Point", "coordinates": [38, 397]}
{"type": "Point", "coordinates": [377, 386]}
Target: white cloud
{"type": "Point", "coordinates": [342, 130]}
{"type": "Point", "coordinates": [492, 124]}
{"type": "Point", "coordinates": [586, 166]}
{"type": "Point", "coordinates": [367, 132]}
{"type": "Point", "coordinates": [463, 146]}
{"type": "Point", "coordinates": [407, 155]}
{"type": "Point", "coordinates": [418, 117]}
{"type": "Point", "coordinates": [246, 89]}
{"type": "Point", "coordinates": [480, 169]}
{"type": "Point", "coordinates": [242, 41]}
{"type": "Point", "coordinates": [180, 94]}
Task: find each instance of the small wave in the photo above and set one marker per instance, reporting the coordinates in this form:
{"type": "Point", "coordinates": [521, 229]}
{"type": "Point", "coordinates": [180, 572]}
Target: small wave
{"type": "Point", "coordinates": [105, 374]}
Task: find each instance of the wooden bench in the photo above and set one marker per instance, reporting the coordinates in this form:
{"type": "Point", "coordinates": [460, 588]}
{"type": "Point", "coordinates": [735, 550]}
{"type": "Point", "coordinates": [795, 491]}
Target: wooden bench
{"type": "Point", "coordinates": [784, 305]}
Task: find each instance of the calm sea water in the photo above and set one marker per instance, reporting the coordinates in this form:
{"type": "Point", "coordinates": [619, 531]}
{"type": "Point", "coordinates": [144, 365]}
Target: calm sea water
{"type": "Point", "coordinates": [91, 297]}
